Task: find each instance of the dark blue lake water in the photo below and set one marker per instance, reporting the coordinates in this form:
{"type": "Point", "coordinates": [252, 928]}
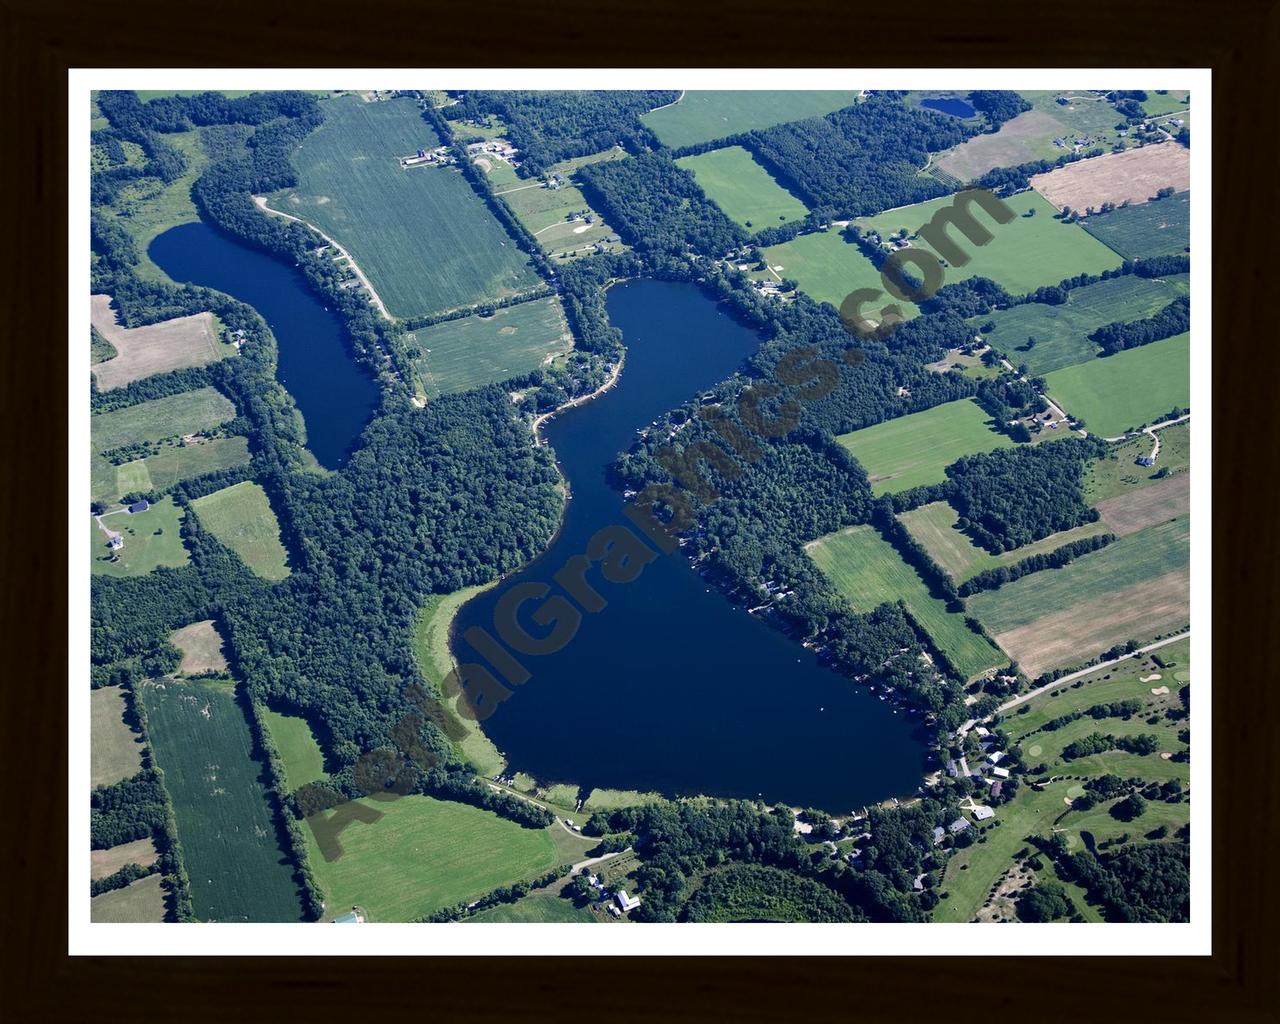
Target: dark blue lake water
{"type": "Point", "coordinates": [954, 107]}
{"type": "Point", "coordinates": [335, 396]}
{"type": "Point", "coordinates": [672, 688]}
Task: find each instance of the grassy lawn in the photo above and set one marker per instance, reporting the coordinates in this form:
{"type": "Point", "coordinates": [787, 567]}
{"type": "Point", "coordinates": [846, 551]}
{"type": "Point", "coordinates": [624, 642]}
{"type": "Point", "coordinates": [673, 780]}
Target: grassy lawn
{"type": "Point", "coordinates": [827, 268]}
{"type": "Point", "coordinates": [547, 212]}
{"type": "Point", "coordinates": [201, 647]}
{"type": "Point", "coordinates": [177, 462]}
{"type": "Point", "coordinates": [299, 752]}
{"type": "Point", "coordinates": [423, 237]}
{"type": "Point", "coordinates": [911, 450]}
{"type": "Point", "coordinates": [461, 354]}
{"type": "Point", "coordinates": [105, 863]}
{"type": "Point", "coordinates": [186, 413]}
{"type": "Point", "coordinates": [934, 526]}
{"type": "Point", "coordinates": [744, 190]}
{"type": "Point", "coordinates": [241, 517]}
{"type": "Point", "coordinates": [1171, 100]}
{"type": "Point", "coordinates": [115, 751]}
{"type": "Point", "coordinates": [1061, 332]}
{"type": "Point", "coordinates": [151, 539]}
{"type": "Point", "coordinates": [1024, 254]}
{"type": "Point", "coordinates": [536, 908]}
{"type": "Point", "coordinates": [225, 818]}
{"type": "Point", "coordinates": [1148, 229]}
{"type": "Point", "coordinates": [1118, 473]}
{"type": "Point", "coordinates": [139, 902]}
{"type": "Point", "coordinates": [868, 571]}
{"type": "Point", "coordinates": [701, 116]}
{"type": "Point", "coordinates": [1136, 386]}
{"type": "Point", "coordinates": [435, 661]}
{"type": "Point", "coordinates": [423, 854]}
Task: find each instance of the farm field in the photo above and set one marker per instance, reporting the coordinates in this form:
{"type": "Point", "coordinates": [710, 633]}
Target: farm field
{"type": "Point", "coordinates": [744, 190]}
{"type": "Point", "coordinates": [300, 754]}
{"type": "Point", "coordinates": [172, 463]}
{"type": "Point", "coordinates": [188, 412]}
{"type": "Point", "coordinates": [912, 450]}
{"type": "Point", "coordinates": [1029, 136]}
{"type": "Point", "coordinates": [1136, 386]}
{"type": "Point", "coordinates": [151, 539]}
{"type": "Point", "coordinates": [546, 212]}
{"type": "Point", "coordinates": [868, 571]}
{"type": "Point", "coordinates": [1140, 231]}
{"type": "Point", "coordinates": [241, 517]}
{"type": "Point", "coordinates": [934, 527]}
{"type": "Point", "coordinates": [1024, 254]}
{"type": "Point", "coordinates": [156, 348]}
{"type": "Point", "coordinates": [115, 750]}
{"type": "Point", "coordinates": [827, 268]}
{"type": "Point", "coordinates": [461, 354]}
{"type": "Point", "coordinates": [435, 661]}
{"type": "Point", "coordinates": [1118, 472]}
{"type": "Point", "coordinates": [225, 819]}
{"type": "Point", "coordinates": [201, 647]}
{"type": "Point", "coordinates": [1134, 589]}
{"type": "Point", "coordinates": [1170, 101]}
{"type": "Point", "coordinates": [105, 863]}
{"type": "Point", "coordinates": [1062, 332]}
{"type": "Point", "coordinates": [701, 116]}
{"type": "Point", "coordinates": [422, 854]}
{"type": "Point", "coordinates": [1166, 499]}
{"type": "Point", "coordinates": [539, 908]}
{"type": "Point", "coordinates": [424, 238]}
{"type": "Point", "coordinates": [1133, 176]}
{"type": "Point", "coordinates": [139, 902]}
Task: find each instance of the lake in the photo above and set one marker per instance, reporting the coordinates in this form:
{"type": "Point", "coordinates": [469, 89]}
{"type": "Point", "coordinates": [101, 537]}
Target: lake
{"type": "Point", "coordinates": [954, 107]}
{"type": "Point", "coordinates": [335, 396]}
{"type": "Point", "coordinates": [672, 688]}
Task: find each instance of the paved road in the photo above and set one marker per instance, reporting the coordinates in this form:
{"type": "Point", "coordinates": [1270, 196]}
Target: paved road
{"type": "Point", "coordinates": [1071, 677]}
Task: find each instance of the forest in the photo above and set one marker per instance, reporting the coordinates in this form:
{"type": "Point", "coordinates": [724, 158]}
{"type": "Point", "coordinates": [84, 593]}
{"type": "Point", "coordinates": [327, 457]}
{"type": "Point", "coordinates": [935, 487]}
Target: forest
{"type": "Point", "coordinates": [1175, 318]}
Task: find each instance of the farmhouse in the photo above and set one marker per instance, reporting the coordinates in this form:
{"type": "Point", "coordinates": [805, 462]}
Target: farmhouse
{"type": "Point", "coordinates": [938, 834]}
{"type": "Point", "coordinates": [958, 826]}
{"type": "Point", "coordinates": [116, 542]}
{"type": "Point", "coordinates": [981, 813]}
{"type": "Point", "coordinates": [626, 903]}
{"type": "Point", "coordinates": [139, 506]}
{"type": "Point", "coordinates": [1000, 773]}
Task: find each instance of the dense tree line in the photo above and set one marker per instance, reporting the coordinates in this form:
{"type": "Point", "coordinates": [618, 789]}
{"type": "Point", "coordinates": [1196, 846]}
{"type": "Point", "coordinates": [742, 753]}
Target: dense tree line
{"type": "Point", "coordinates": [994, 579]}
{"type": "Point", "coordinates": [1143, 882]}
{"type": "Point", "coordinates": [657, 205]}
{"type": "Point", "coordinates": [861, 159]}
{"type": "Point", "coordinates": [550, 126]}
{"type": "Point", "coordinates": [1000, 105]}
{"type": "Point", "coordinates": [1014, 179]}
{"type": "Point", "coordinates": [1175, 318]}
{"type": "Point", "coordinates": [131, 809]}
{"type": "Point", "coordinates": [1014, 496]}
{"type": "Point", "coordinates": [1125, 709]}
{"type": "Point", "coordinates": [755, 892]}
{"type": "Point", "coordinates": [1100, 743]}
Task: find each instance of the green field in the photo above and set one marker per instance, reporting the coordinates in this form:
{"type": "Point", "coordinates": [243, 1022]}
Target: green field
{"type": "Point", "coordinates": [1136, 386]}
{"type": "Point", "coordinates": [300, 754]}
{"type": "Point", "coordinates": [1062, 332]}
{"type": "Point", "coordinates": [1118, 473]}
{"type": "Point", "coordinates": [424, 854]}
{"type": "Point", "coordinates": [702, 116]}
{"type": "Point", "coordinates": [934, 527]}
{"type": "Point", "coordinates": [1130, 560]}
{"type": "Point", "coordinates": [971, 872]}
{"type": "Point", "coordinates": [461, 354]}
{"type": "Point", "coordinates": [1024, 254]}
{"type": "Point", "coordinates": [186, 413]}
{"type": "Point", "coordinates": [138, 902]}
{"type": "Point", "coordinates": [912, 450]}
{"type": "Point", "coordinates": [868, 571]}
{"type": "Point", "coordinates": [225, 820]}
{"type": "Point", "coordinates": [172, 464]}
{"type": "Point", "coordinates": [241, 517]}
{"type": "Point", "coordinates": [115, 751]}
{"type": "Point", "coordinates": [744, 190]}
{"type": "Point", "coordinates": [1162, 228]}
{"type": "Point", "coordinates": [435, 661]}
{"type": "Point", "coordinates": [1172, 100]}
{"type": "Point", "coordinates": [547, 212]}
{"type": "Point", "coordinates": [827, 268]}
{"type": "Point", "coordinates": [537, 908]}
{"type": "Point", "coordinates": [144, 548]}
{"type": "Point", "coordinates": [425, 239]}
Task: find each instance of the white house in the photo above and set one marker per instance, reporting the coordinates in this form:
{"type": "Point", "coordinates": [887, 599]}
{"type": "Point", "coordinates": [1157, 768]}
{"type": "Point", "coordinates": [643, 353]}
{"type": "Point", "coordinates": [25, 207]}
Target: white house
{"type": "Point", "coordinates": [1000, 773]}
{"type": "Point", "coordinates": [983, 813]}
{"type": "Point", "coordinates": [626, 903]}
